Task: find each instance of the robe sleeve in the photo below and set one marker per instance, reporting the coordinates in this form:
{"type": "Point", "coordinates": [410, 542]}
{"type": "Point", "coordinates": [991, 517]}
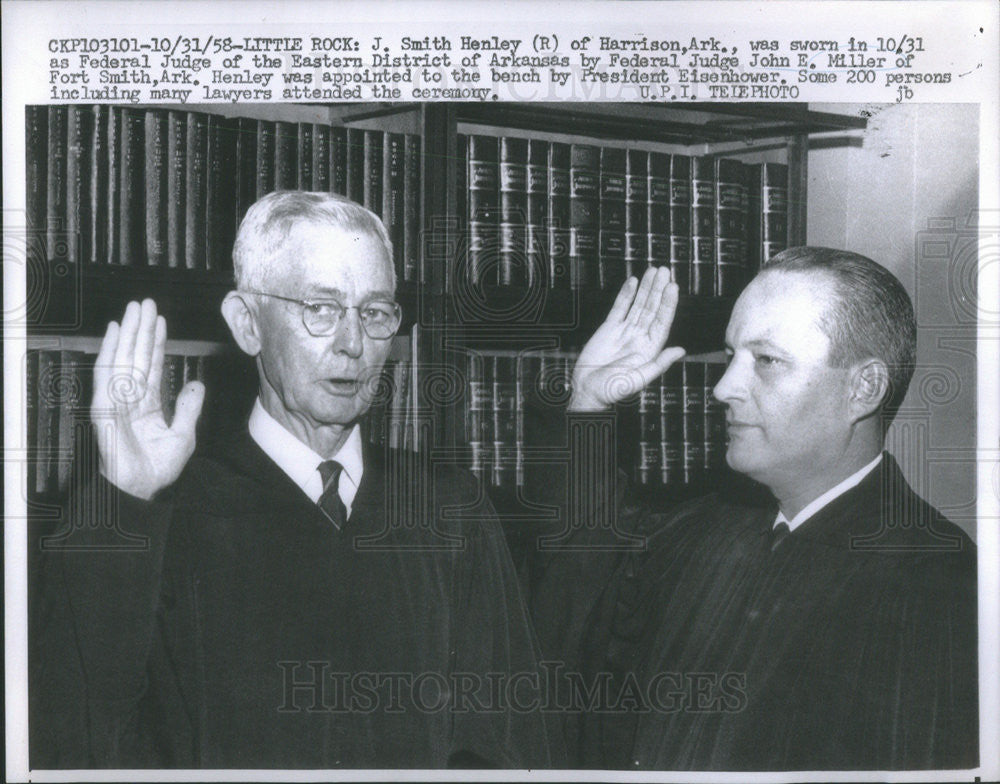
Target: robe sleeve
{"type": "Point", "coordinates": [95, 634]}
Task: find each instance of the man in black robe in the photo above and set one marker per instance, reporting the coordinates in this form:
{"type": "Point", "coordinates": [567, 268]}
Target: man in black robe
{"type": "Point", "coordinates": [296, 598]}
{"type": "Point", "coordinates": [820, 616]}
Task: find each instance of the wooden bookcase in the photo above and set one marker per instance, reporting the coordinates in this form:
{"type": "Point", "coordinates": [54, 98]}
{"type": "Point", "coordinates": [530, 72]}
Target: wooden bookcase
{"type": "Point", "coordinates": [79, 302]}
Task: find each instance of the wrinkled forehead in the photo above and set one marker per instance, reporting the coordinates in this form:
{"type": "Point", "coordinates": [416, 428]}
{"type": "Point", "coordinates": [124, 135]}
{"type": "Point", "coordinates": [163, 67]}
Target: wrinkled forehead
{"type": "Point", "coordinates": [786, 310]}
{"type": "Point", "coordinates": [329, 256]}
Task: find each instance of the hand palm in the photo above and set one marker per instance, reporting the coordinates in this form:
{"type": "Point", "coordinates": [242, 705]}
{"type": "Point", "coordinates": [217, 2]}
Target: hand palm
{"type": "Point", "coordinates": [626, 352]}
{"type": "Point", "coordinates": [140, 453]}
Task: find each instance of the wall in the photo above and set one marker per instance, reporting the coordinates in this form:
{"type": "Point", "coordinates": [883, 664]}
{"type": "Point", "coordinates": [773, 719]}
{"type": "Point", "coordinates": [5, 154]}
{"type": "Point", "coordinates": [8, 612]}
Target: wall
{"type": "Point", "coordinates": [904, 192]}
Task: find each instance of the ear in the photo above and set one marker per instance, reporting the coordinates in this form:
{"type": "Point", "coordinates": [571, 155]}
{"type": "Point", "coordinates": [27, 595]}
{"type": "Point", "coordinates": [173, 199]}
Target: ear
{"type": "Point", "coordinates": [869, 387]}
{"type": "Point", "coordinates": [240, 314]}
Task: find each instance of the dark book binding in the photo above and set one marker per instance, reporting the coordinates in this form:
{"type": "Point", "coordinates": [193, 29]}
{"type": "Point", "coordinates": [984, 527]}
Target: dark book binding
{"type": "Point", "coordinates": [611, 243]}
{"type": "Point", "coordinates": [584, 214]}
{"type": "Point", "coordinates": [483, 193]}
{"type": "Point", "coordinates": [702, 226]}
{"type": "Point", "coordinates": [513, 173]}
{"type": "Point", "coordinates": [156, 187]}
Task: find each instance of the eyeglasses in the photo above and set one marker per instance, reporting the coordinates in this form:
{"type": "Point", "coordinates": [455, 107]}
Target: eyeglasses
{"type": "Point", "coordinates": [379, 319]}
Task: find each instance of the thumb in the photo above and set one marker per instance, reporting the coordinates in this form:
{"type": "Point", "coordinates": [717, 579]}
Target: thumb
{"type": "Point", "coordinates": [660, 363]}
{"type": "Point", "coordinates": [188, 408]}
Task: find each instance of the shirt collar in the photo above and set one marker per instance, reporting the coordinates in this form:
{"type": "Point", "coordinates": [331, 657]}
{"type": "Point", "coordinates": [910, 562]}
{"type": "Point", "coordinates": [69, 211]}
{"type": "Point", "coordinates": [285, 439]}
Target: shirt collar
{"type": "Point", "coordinates": [299, 461]}
{"type": "Point", "coordinates": [834, 492]}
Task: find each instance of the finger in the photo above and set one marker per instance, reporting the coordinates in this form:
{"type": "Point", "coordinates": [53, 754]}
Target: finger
{"type": "Point", "coordinates": [648, 297]}
{"type": "Point", "coordinates": [625, 295]}
{"type": "Point", "coordinates": [103, 364]}
{"type": "Point", "coordinates": [189, 403]}
{"type": "Point", "coordinates": [125, 353]}
{"type": "Point", "coordinates": [145, 338]}
{"type": "Point", "coordinates": [156, 360]}
{"type": "Point", "coordinates": [659, 328]}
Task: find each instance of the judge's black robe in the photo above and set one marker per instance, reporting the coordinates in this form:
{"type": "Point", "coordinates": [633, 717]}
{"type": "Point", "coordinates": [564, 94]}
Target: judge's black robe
{"type": "Point", "coordinates": [851, 644]}
{"type": "Point", "coordinates": [246, 632]}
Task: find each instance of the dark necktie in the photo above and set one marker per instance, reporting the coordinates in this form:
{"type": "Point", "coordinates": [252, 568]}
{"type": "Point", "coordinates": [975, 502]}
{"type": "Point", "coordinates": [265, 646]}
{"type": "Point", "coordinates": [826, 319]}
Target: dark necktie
{"type": "Point", "coordinates": [329, 501]}
{"type": "Point", "coordinates": [778, 534]}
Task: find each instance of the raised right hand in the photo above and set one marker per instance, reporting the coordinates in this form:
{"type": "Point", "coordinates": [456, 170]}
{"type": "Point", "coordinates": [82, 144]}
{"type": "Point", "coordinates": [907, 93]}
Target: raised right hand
{"type": "Point", "coordinates": [139, 453]}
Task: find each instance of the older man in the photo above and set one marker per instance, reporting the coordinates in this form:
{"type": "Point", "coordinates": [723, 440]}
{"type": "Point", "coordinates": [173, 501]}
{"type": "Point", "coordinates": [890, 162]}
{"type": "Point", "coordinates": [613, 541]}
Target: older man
{"type": "Point", "coordinates": [823, 616]}
{"type": "Point", "coordinates": [294, 607]}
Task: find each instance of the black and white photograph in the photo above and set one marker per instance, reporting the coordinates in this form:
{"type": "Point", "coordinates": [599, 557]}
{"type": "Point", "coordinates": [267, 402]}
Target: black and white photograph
{"type": "Point", "coordinates": [598, 398]}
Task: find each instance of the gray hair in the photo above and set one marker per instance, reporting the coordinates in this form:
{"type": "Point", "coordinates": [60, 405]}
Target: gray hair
{"type": "Point", "coordinates": [871, 314]}
{"type": "Point", "coordinates": [260, 242]}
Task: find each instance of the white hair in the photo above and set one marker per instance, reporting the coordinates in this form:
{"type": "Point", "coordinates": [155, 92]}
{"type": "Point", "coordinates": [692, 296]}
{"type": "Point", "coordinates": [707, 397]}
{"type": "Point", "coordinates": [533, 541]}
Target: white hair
{"type": "Point", "coordinates": [259, 250]}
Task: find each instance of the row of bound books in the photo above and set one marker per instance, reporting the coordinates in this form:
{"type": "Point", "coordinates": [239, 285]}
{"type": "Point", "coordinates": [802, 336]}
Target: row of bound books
{"type": "Point", "coordinates": [674, 432]}
{"type": "Point", "coordinates": [579, 215]}
{"type": "Point", "coordinates": [59, 386]}
{"type": "Point", "coordinates": [124, 186]}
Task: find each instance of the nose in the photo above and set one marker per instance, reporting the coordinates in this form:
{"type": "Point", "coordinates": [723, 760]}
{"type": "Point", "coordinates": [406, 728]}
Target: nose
{"type": "Point", "coordinates": [349, 336]}
{"type": "Point", "coordinates": [731, 386]}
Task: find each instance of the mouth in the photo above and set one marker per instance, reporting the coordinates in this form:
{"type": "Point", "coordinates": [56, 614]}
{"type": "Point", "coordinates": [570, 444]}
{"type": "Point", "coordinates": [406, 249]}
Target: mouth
{"type": "Point", "coordinates": [341, 385]}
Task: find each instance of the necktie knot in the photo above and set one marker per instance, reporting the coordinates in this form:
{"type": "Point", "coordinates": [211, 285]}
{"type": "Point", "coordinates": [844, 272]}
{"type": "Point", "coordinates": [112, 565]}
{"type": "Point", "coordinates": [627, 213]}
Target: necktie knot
{"type": "Point", "coordinates": [330, 501]}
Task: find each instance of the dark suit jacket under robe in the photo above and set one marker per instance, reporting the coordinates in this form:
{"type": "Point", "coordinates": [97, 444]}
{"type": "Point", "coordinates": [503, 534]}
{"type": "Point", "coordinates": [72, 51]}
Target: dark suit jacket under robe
{"type": "Point", "coordinates": [193, 651]}
{"type": "Point", "coordinates": [850, 644]}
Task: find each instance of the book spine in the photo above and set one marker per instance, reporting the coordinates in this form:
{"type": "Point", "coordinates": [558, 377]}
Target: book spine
{"type": "Point", "coordinates": [715, 419]}
{"type": "Point", "coordinates": [304, 156]}
{"type": "Point", "coordinates": [524, 375]}
{"type": "Point", "coordinates": [265, 158]}
{"type": "Point", "coordinates": [584, 214]}
{"type": "Point", "coordinates": [413, 268]}
{"type": "Point", "coordinates": [79, 137]}
{"type": "Point", "coordinates": [636, 212]}
{"type": "Point", "coordinates": [176, 187]}
{"type": "Point", "coordinates": [355, 169]}
{"type": "Point", "coordinates": [55, 212]}
{"type": "Point", "coordinates": [399, 405]}
{"type": "Point", "coordinates": [774, 209]}
{"type": "Point", "coordinates": [286, 165]}
{"type": "Point", "coordinates": [47, 437]}
{"type": "Point", "coordinates": [338, 160]}
{"type": "Point", "coordinates": [112, 193]}
{"type": "Point", "coordinates": [477, 415]}
{"type": "Point", "coordinates": [648, 471]}
{"type": "Point", "coordinates": [693, 375]}
{"type": "Point", "coordinates": [156, 187]}
{"type": "Point", "coordinates": [171, 383]}
{"type": "Point", "coordinates": [320, 158]}
{"type": "Point", "coordinates": [374, 152]}
{"type": "Point", "coordinates": [220, 227]}
{"type": "Point", "coordinates": [671, 390]}
{"type": "Point", "coordinates": [504, 411]}
{"type": "Point", "coordinates": [196, 197]}
{"type": "Point", "coordinates": [658, 210]}
{"type": "Point", "coordinates": [483, 189]}
{"type": "Point", "coordinates": [98, 186]}
{"type": "Point", "coordinates": [730, 213]}
{"type": "Point", "coordinates": [132, 169]}
{"type": "Point", "coordinates": [36, 137]}
{"type": "Point", "coordinates": [391, 208]}
{"type": "Point", "coordinates": [680, 221]}
{"type": "Point", "coordinates": [536, 197]}
{"type": "Point", "coordinates": [558, 216]}
{"type": "Point", "coordinates": [611, 243]}
{"type": "Point", "coordinates": [513, 169]}
{"type": "Point", "coordinates": [246, 166]}
{"type": "Point", "coordinates": [70, 405]}
{"type": "Point", "coordinates": [31, 393]}
{"type": "Point", "coordinates": [702, 226]}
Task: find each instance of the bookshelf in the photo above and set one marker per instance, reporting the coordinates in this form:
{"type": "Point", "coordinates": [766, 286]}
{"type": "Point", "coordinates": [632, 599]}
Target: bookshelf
{"type": "Point", "coordinates": [447, 320]}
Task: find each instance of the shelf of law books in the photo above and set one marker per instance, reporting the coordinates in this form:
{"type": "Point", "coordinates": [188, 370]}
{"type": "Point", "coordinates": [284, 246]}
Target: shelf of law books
{"type": "Point", "coordinates": [513, 225]}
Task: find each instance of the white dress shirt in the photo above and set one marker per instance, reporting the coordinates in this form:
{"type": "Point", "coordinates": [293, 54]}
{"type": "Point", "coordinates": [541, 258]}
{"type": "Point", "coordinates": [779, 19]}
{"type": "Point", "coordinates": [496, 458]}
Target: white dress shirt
{"type": "Point", "coordinates": [837, 490]}
{"type": "Point", "coordinates": [301, 463]}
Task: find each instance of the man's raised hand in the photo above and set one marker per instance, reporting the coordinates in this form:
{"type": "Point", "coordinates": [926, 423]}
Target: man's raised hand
{"type": "Point", "coordinates": [626, 352]}
{"type": "Point", "coordinates": [140, 454]}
